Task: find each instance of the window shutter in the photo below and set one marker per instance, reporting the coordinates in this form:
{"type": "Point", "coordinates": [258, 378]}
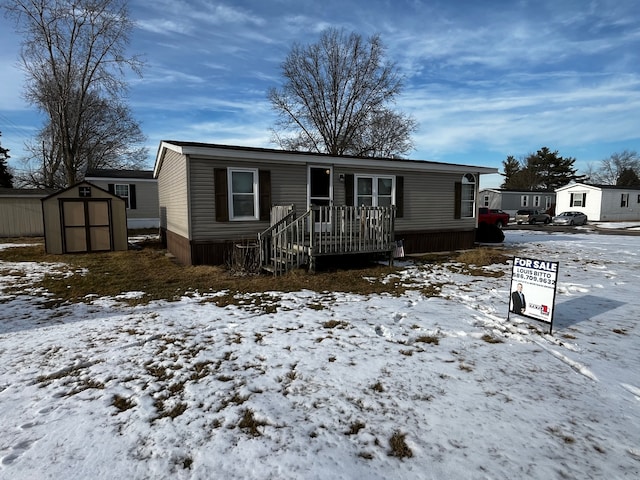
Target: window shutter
{"type": "Point", "coordinates": [584, 199]}
{"type": "Point", "coordinates": [457, 208]}
{"type": "Point", "coordinates": [348, 190]}
{"type": "Point", "coordinates": [132, 196]}
{"type": "Point", "coordinates": [399, 197]}
{"type": "Point", "coordinates": [111, 189]}
{"type": "Point", "coordinates": [264, 187]}
{"type": "Point", "coordinates": [220, 188]}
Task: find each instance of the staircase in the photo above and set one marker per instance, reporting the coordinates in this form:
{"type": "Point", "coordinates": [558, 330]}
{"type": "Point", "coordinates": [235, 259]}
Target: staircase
{"type": "Point", "coordinates": [291, 241]}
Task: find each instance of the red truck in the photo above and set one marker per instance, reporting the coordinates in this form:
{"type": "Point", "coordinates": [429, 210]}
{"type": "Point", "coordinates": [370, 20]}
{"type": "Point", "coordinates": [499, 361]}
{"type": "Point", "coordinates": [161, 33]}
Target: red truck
{"type": "Point", "coordinates": [492, 217]}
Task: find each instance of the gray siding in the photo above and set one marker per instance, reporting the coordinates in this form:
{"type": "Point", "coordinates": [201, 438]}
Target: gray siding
{"type": "Point", "coordinates": [428, 198]}
{"type": "Point", "coordinates": [147, 205]}
{"type": "Point", "coordinates": [173, 194]}
{"type": "Point", "coordinates": [288, 185]}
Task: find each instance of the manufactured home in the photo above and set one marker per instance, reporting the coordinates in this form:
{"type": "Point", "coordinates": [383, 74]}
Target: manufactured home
{"type": "Point", "coordinates": [513, 200]}
{"type": "Point", "coordinates": [214, 198]}
{"type": "Point", "coordinates": [608, 203]}
{"type": "Point", "coordinates": [137, 188]}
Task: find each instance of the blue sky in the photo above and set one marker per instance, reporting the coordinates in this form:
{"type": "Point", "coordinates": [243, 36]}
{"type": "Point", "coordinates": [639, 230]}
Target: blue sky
{"type": "Point", "coordinates": [484, 79]}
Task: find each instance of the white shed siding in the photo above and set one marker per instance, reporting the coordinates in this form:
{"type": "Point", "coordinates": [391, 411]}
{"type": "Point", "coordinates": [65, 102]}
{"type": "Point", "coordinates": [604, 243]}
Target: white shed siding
{"type": "Point", "coordinates": [173, 194]}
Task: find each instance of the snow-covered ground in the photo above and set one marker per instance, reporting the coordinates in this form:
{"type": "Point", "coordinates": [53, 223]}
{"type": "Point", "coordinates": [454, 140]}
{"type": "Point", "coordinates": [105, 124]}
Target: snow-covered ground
{"type": "Point", "coordinates": [315, 385]}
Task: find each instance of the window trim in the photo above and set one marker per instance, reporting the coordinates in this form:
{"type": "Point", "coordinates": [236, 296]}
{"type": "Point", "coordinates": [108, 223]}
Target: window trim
{"type": "Point", "coordinates": [472, 203]}
{"type": "Point", "coordinates": [524, 200]}
{"type": "Point", "coordinates": [255, 193]}
{"type": "Point", "coordinates": [374, 188]}
{"type": "Point", "coordinates": [582, 200]}
{"type": "Point", "coordinates": [624, 200]}
{"type": "Point", "coordinates": [127, 197]}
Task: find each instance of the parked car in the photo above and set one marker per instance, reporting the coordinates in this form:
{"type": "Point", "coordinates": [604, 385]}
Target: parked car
{"type": "Point", "coordinates": [570, 218]}
{"type": "Point", "coordinates": [492, 217]}
{"type": "Point", "coordinates": [532, 216]}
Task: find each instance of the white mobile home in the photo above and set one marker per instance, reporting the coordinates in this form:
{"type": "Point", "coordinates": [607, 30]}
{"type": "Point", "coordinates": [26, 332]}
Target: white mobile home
{"type": "Point", "coordinates": [609, 203]}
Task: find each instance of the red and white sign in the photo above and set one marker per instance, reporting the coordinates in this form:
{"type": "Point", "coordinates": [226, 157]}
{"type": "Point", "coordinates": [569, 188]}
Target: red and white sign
{"type": "Point", "coordinates": [533, 288]}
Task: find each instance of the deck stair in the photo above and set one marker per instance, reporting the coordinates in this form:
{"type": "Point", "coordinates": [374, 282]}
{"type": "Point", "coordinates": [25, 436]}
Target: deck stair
{"type": "Point", "coordinates": [293, 241]}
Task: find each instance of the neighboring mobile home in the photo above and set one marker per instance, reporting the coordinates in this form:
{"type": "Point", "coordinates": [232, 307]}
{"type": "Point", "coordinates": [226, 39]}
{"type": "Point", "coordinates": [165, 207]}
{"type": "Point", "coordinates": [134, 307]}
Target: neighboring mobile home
{"type": "Point", "coordinates": [139, 190]}
{"type": "Point", "coordinates": [213, 197]}
{"type": "Point", "coordinates": [513, 200]}
{"type": "Point", "coordinates": [600, 202]}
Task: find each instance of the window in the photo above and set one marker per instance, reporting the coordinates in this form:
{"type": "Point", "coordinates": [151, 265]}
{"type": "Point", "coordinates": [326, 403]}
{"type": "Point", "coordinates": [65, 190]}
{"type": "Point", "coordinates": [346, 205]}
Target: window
{"type": "Point", "coordinates": [485, 201]}
{"type": "Point", "coordinates": [243, 194]}
{"type": "Point", "coordinates": [375, 191]}
{"type": "Point", "coordinates": [468, 196]}
{"type": "Point", "coordinates": [547, 202]}
{"type": "Point", "coordinates": [524, 200]}
{"type": "Point", "coordinates": [536, 201]}
{"type": "Point", "coordinates": [122, 191]}
{"type": "Point", "coordinates": [624, 200]}
{"type": "Point", "coordinates": [578, 200]}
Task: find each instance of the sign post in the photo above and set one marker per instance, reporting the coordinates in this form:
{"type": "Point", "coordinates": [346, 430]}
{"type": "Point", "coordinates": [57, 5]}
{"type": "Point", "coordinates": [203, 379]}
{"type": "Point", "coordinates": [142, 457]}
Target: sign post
{"type": "Point", "coordinates": [533, 289]}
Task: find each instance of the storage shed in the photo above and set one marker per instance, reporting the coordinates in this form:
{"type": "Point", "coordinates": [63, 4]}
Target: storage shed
{"type": "Point", "coordinates": [84, 218]}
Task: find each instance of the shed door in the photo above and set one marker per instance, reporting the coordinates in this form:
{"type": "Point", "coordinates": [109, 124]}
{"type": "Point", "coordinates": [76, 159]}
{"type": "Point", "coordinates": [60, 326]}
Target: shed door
{"type": "Point", "coordinates": [86, 225]}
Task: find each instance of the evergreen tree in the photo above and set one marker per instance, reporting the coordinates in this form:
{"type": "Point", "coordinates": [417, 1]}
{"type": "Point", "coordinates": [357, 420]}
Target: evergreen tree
{"type": "Point", "coordinates": [543, 170]}
{"type": "Point", "coordinates": [6, 179]}
{"type": "Point", "coordinates": [511, 167]}
{"type": "Point", "coordinates": [628, 178]}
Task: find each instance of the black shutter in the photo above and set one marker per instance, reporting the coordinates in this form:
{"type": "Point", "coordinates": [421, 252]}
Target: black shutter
{"type": "Point", "coordinates": [264, 187]}
{"type": "Point", "coordinates": [132, 196]}
{"type": "Point", "coordinates": [348, 190]}
{"type": "Point", "coordinates": [111, 189]}
{"type": "Point", "coordinates": [220, 190]}
{"type": "Point", "coordinates": [584, 199]}
{"type": "Point", "coordinates": [457, 198]}
{"type": "Point", "coordinates": [399, 197]}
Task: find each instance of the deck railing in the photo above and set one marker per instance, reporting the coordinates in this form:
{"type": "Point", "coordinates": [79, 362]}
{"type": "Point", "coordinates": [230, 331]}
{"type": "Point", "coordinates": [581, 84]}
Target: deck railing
{"type": "Point", "coordinates": [325, 230]}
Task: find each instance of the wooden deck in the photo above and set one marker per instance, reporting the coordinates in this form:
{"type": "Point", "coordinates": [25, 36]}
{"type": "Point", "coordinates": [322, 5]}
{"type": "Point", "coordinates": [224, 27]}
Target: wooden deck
{"type": "Point", "coordinates": [293, 241]}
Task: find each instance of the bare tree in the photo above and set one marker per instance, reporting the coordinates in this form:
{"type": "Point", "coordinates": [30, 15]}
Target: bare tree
{"type": "Point", "coordinates": [336, 99]}
{"type": "Point", "coordinates": [73, 53]}
{"type": "Point", "coordinates": [611, 168]}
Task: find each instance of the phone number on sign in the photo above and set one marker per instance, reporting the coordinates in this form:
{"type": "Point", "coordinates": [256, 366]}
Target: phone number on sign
{"type": "Point", "coordinates": [535, 277]}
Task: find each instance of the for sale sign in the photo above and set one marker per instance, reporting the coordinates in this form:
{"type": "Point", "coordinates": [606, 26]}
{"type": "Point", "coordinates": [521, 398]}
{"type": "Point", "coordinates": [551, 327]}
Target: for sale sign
{"type": "Point", "coordinates": [533, 288]}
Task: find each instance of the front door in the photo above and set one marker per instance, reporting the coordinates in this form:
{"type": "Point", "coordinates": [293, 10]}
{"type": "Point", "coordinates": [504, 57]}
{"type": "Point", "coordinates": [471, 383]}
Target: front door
{"type": "Point", "coordinates": [86, 225]}
{"type": "Point", "coordinates": [320, 193]}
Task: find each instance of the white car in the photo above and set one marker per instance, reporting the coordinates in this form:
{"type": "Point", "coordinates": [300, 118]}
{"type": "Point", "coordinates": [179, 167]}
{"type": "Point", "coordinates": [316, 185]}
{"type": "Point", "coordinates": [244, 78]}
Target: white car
{"type": "Point", "coordinates": [570, 218]}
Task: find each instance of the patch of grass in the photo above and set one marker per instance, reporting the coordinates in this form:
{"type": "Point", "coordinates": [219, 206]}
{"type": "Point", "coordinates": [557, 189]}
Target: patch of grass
{"type": "Point", "coordinates": [557, 431]}
{"type": "Point", "coordinates": [491, 339]}
{"type": "Point", "coordinates": [399, 447]}
{"type": "Point", "coordinates": [354, 428]}
{"type": "Point", "coordinates": [407, 353]}
{"type": "Point", "coordinates": [249, 424]}
{"type": "Point", "coordinates": [335, 324]}
{"type": "Point", "coordinates": [186, 463]}
{"type": "Point", "coordinates": [430, 339]}
{"type": "Point", "coordinates": [151, 271]}
{"type": "Point", "coordinates": [377, 387]}
{"type": "Point", "coordinates": [122, 403]}
{"type": "Point", "coordinates": [619, 331]}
